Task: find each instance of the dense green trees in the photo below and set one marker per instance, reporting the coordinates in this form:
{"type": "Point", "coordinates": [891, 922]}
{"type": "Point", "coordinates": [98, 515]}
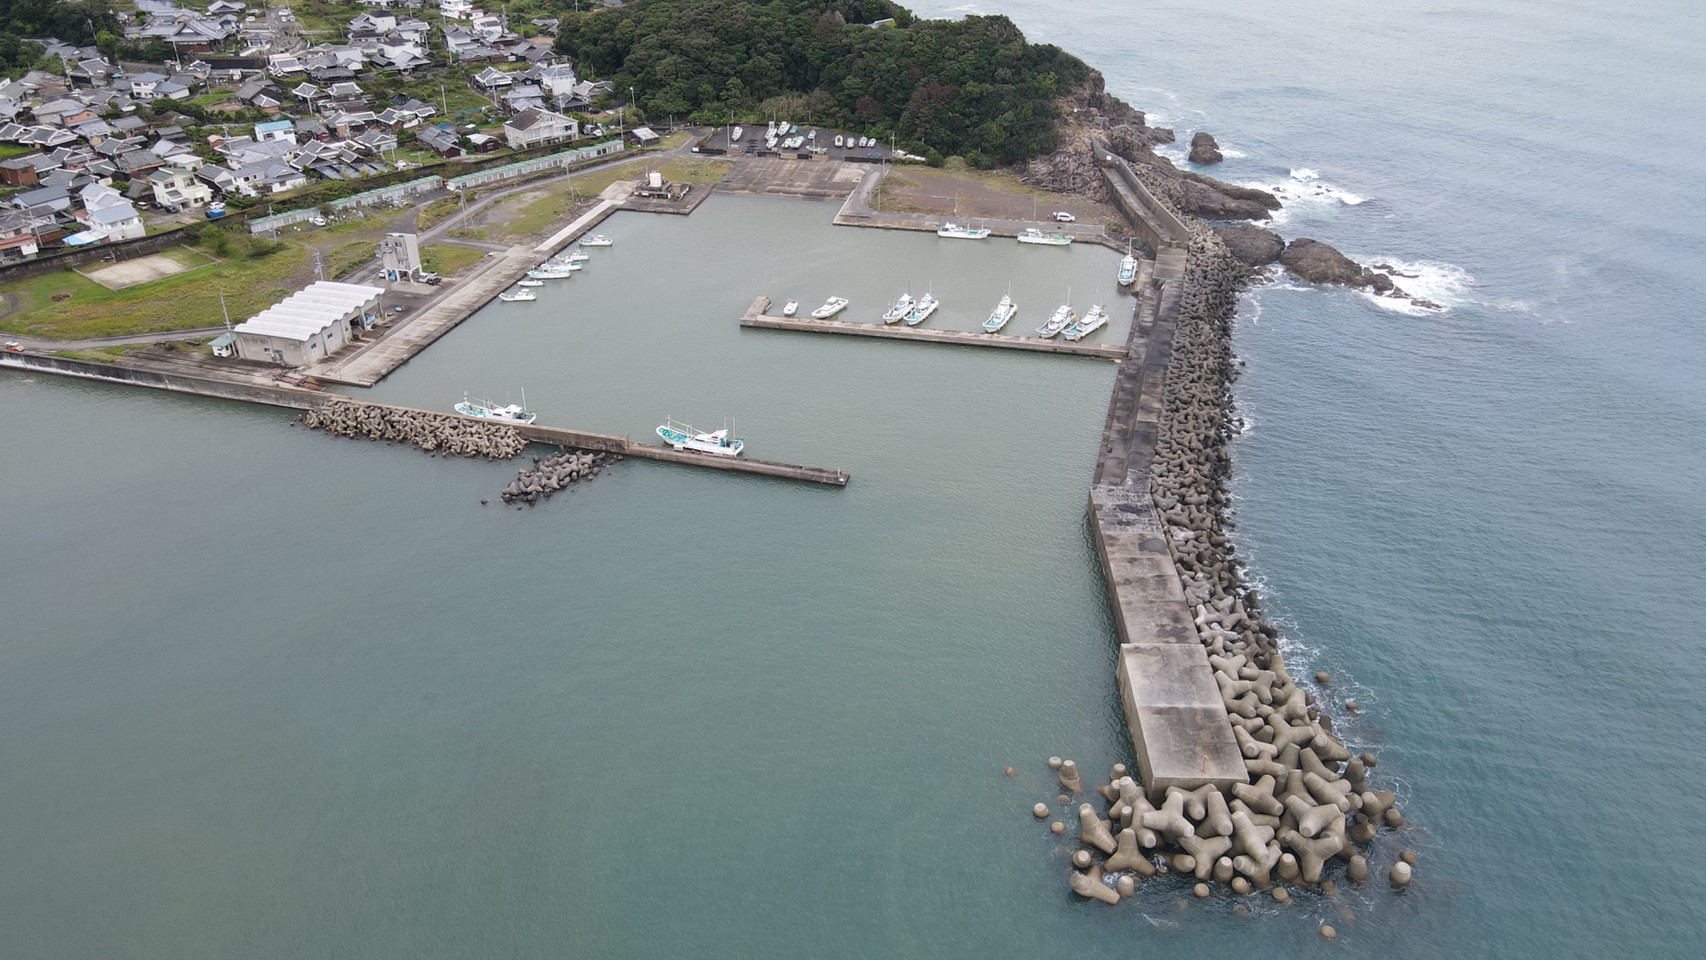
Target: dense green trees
{"type": "Point", "coordinates": [972, 87]}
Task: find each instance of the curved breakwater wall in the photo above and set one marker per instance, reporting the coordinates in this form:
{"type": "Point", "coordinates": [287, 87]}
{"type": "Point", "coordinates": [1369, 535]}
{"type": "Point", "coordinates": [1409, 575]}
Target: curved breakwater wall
{"type": "Point", "coordinates": [1240, 780]}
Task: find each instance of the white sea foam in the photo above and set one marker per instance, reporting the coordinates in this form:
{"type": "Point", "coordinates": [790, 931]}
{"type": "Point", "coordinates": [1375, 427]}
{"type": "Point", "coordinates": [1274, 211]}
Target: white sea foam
{"type": "Point", "coordinates": [1304, 189]}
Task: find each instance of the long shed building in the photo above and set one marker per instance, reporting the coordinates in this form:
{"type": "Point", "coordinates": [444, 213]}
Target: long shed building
{"type": "Point", "coordinates": [307, 326]}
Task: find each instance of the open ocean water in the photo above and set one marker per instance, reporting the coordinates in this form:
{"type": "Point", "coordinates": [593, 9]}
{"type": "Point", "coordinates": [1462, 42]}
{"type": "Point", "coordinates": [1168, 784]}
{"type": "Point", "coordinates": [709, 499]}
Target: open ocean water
{"type": "Point", "coordinates": [268, 694]}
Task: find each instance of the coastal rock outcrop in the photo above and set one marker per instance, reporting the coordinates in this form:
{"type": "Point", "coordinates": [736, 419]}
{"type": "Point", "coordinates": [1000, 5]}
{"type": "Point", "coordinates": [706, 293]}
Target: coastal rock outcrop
{"type": "Point", "coordinates": [1253, 246]}
{"type": "Point", "coordinates": [1319, 262]}
{"type": "Point", "coordinates": [1204, 149]}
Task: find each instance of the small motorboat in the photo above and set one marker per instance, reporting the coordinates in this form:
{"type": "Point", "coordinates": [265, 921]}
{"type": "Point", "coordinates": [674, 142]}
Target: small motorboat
{"type": "Point", "coordinates": [717, 443]}
{"type": "Point", "coordinates": [518, 296]}
{"type": "Point", "coordinates": [531, 283]}
{"type": "Point", "coordinates": [790, 308]}
{"type": "Point", "coordinates": [597, 240]}
{"type": "Point", "coordinates": [830, 308]}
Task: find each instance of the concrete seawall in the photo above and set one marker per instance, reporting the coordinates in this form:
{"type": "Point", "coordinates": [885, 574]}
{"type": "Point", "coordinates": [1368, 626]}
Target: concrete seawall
{"type": "Point", "coordinates": [297, 399]}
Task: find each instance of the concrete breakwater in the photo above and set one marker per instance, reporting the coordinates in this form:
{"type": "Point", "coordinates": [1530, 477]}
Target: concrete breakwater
{"type": "Point", "coordinates": [552, 474]}
{"type": "Point", "coordinates": [432, 432]}
{"type": "Point", "coordinates": [1302, 803]}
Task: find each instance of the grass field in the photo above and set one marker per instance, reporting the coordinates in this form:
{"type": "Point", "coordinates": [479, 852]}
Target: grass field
{"type": "Point", "coordinates": [695, 169]}
{"type": "Point", "coordinates": [448, 259]}
{"type": "Point", "coordinates": [185, 301]}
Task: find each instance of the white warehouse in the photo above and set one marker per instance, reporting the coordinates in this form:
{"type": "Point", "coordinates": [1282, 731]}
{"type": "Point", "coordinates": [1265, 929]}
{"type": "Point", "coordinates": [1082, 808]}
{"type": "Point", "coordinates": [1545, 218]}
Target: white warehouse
{"type": "Point", "coordinates": [307, 326]}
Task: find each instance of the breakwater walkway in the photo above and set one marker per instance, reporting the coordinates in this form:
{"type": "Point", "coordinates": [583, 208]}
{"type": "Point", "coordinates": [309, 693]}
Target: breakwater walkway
{"type": "Point", "coordinates": [297, 399]}
{"type": "Point", "coordinates": [756, 317]}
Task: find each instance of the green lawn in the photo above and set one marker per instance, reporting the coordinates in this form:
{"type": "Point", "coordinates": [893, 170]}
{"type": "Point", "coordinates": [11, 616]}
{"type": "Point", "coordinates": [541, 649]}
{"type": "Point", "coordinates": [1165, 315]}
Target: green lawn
{"type": "Point", "coordinates": [185, 301]}
{"type": "Point", "coordinates": [10, 150]}
{"type": "Point", "coordinates": [448, 259]}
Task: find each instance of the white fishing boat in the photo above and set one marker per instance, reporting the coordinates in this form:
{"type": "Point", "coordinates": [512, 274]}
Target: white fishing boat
{"type": "Point", "coordinates": [1062, 318]}
{"type": "Point", "coordinates": [597, 240]}
{"type": "Point", "coordinates": [790, 308]}
{"type": "Point", "coordinates": [830, 308]}
{"type": "Point", "coordinates": [1002, 313]}
{"type": "Point", "coordinates": [1033, 235]}
{"type": "Point", "coordinates": [734, 137]}
{"type": "Point", "coordinates": [956, 232]}
{"type": "Point", "coordinates": [550, 272]}
{"type": "Point", "coordinates": [717, 443]}
{"type": "Point", "coordinates": [921, 312]}
{"type": "Point", "coordinates": [531, 283]}
{"type": "Point", "coordinates": [839, 140]}
{"type": "Point", "coordinates": [1095, 320]}
{"type": "Point", "coordinates": [579, 256]}
{"type": "Point", "coordinates": [487, 410]}
{"type": "Point", "coordinates": [899, 309]}
{"type": "Point", "coordinates": [518, 296]}
{"type": "Point", "coordinates": [1128, 268]}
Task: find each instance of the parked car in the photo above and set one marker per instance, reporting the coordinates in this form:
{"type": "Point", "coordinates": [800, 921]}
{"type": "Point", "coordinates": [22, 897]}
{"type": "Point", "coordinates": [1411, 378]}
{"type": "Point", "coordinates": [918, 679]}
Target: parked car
{"type": "Point", "coordinates": [1064, 217]}
{"type": "Point", "coordinates": [317, 221]}
{"type": "Point", "coordinates": [13, 346]}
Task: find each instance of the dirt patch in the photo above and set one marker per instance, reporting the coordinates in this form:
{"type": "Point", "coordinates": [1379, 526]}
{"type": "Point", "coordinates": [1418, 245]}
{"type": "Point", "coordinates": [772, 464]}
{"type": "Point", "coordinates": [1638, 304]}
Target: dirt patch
{"type": "Point", "coordinates": [129, 273]}
{"type": "Point", "coordinates": [978, 194]}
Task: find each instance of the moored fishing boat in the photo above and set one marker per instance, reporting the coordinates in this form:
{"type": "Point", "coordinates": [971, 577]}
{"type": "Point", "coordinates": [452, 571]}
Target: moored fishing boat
{"type": "Point", "coordinates": [530, 283]}
{"type": "Point", "coordinates": [830, 308]}
{"type": "Point", "coordinates": [921, 312]}
{"type": "Point", "coordinates": [1128, 267]}
{"type": "Point", "coordinates": [1057, 321]}
{"type": "Point", "coordinates": [507, 413]}
{"type": "Point", "coordinates": [518, 296]}
{"type": "Point", "coordinates": [1033, 235]}
{"type": "Point", "coordinates": [597, 240]}
{"type": "Point", "coordinates": [900, 308]}
{"type": "Point", "coordinates": [1094, 320]}
{"type": "Point", "coordinates": [684, 437]}
{"type": "Point", "coordinates": [579, 256]}
{"type": "Point", "coordinates": [550, 272]}
{"type": "Point", "coordinates": [956, 232]}
{"type": "Point", "coordinates": [1002, 313]}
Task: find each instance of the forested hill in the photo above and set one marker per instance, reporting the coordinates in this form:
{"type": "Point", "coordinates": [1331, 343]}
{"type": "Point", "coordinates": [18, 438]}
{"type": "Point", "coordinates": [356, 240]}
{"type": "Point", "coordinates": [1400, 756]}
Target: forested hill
{"type": "Point", "coordinates": [971, 87]}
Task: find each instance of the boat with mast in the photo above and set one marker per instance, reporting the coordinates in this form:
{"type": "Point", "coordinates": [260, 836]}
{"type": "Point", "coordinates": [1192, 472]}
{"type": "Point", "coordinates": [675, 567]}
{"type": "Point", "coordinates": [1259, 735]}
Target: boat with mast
{"type": "Point", "coordinates": [954, 231]}
{"type": "Point", "coordinates": [550, 271]}
{"type": "Point", "coordinates": [1094, 320]}
{"type": "Point", "coordinates": [1062, 318]}
{"type": "Point", "coordinates": [1128, 267]}
{"type": "Point", "coordinates": [900, 308]}
{"type": "Point", "coordinates": [681, 436]}
{"type": "Point", "coordinates": [922, 310]}
{"type": "Point", "coordinates": [1002, 313]}
{"type": "Point", "coordinates": [1033, 235]}
{"type": "Point", "coordinates": [487, 410]}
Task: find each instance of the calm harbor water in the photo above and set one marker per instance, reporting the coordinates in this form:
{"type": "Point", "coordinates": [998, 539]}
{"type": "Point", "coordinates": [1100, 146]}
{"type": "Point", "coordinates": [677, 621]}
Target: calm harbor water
{"type": "Point", "coordinates": [270, 694]}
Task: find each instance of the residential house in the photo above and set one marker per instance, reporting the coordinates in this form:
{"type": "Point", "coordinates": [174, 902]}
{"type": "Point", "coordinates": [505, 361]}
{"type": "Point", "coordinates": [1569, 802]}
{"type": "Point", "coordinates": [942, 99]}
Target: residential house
{"type": "Point", "coordinates": [443, 142]}
{"type": "Point", "coordinates": [106, 216]}
{"type": "Point", "coordinates": [173, 88]}
{"type": "Point", "coordinates": [26, 171]}
{"type": "Point", "coordinates": [261, 94]}
{"type": "Point", "coordinates": [142, 85]}
{"type": "Point", "coordinates": [456, 9]}
{"type": "Point", "coordinates": [491, 79]}
{"type": "Point", "coordinates": [535, 126]}
{"type": "Point", "coordinates": [176, 188]}
{"type": "Point", "coordinates": [48, 200]}
{"type": "Point", "coordinates": [19, 236]}
{"type": "Point", "coordinates": [218, 7]}
{"type": "Point", "coordinates": [375, 24]}
{"type": "Point", "coordinates": [558, 79]}
{"type": "Point", "coordinates": [276, 130]}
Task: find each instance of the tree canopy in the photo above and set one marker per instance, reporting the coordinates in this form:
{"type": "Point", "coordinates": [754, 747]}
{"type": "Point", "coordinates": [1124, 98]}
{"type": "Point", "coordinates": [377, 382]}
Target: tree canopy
{"type": "Point", "coordinates": [972, 87]}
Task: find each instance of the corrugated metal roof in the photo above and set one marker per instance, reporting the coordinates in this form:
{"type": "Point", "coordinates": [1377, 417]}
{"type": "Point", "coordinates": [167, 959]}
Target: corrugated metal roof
{"type": "Point", "coordinates": [309, 311]}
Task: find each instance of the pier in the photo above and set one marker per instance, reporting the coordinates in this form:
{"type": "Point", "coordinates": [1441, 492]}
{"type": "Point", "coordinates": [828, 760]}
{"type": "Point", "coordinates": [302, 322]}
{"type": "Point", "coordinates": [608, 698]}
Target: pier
{"type": "Point", "coordinates": [756, 317]}
{"type": "Point", "coordinates": [293, 398]}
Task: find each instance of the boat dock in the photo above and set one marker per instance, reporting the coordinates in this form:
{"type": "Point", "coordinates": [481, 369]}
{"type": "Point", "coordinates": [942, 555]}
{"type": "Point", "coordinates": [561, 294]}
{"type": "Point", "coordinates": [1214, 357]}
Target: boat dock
{"type": "Point", "coordinates": [294, 398]}
{"type": "Point", "coordinates": [375, 361]}
{"type": "Point", "coordinates": [756, 317]}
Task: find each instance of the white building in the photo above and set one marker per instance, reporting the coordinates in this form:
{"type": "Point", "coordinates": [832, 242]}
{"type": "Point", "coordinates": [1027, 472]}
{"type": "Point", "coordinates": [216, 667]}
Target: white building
{"type": "Point", "coordinates": [456, 9]}
{"type": "Point", "coordinates": [533, 126]}
{"type": "Point", "coordinates": [307, 326]}
{"type": "Point", "coordinates": [176, 188]}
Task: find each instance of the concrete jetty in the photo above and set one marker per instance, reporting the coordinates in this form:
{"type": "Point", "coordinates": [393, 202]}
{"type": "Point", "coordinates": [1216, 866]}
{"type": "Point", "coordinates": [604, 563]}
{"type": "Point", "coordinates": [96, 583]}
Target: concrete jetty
{"type": "Point", "coordinates": [497, 273]}
{"type": "Point", "coordinates": [1181, 733]}
{"type": "Point", "coordinates": [297, 399]}
{"type": "Point", "coordinates": [756, 317]}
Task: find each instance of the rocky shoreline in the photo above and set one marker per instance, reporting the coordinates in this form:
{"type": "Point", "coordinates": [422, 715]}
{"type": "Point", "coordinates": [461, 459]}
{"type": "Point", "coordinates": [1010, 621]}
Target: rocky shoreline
{"type": "Point", "coordinates": [1127, 133]}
